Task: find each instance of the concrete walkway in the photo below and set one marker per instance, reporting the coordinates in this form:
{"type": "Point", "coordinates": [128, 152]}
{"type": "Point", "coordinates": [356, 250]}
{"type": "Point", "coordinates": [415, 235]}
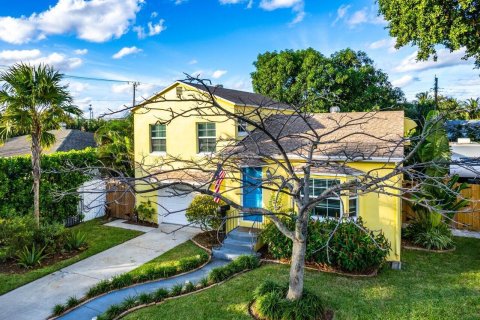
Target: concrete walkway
{"type": "Point", "coordinates": [99, 305]}
{"type": "Point", "coordinates": [36, 299]}
{"type": "Point", "coordinates": [466, 233]}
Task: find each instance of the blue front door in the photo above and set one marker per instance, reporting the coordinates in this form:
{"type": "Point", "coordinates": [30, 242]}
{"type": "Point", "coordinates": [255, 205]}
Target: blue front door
{"type": "Point", "coordinates": [252, 191]}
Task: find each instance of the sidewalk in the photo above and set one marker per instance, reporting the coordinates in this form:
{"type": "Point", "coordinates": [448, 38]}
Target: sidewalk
{"type": "Point", "coordinates": [35, 300]}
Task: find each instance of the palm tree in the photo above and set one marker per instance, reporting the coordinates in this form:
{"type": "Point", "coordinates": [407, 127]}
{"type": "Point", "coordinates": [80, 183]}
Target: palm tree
{"type": "Point", "coordinates": [33, 101]}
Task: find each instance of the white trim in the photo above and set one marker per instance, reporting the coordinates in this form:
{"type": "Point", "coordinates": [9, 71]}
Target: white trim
{"type": "Point", "coordinates": [337, 158]}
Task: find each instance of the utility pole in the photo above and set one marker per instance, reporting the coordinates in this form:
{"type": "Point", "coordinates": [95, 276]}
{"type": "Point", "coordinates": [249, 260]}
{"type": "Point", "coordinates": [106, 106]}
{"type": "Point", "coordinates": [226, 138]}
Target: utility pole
{"type": "Point", "coordinates": [435, 90]}
{"type": "Point", "coordinates": [135, 84]}
{"type": "Point", "coordinates": [91, 112]}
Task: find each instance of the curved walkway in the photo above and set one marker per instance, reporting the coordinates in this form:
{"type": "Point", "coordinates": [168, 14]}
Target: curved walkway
{"type": "Point", "coordinates": [97, 306]}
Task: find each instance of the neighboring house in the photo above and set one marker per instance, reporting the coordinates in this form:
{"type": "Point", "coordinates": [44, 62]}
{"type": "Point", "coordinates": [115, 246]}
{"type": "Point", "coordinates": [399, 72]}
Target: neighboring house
{"type": "Point", "coordinates": [66, 140]}
{"type": "Point", "coordinates": [194, 137]}
{"type": "Point", "coordinates": [466, 160]}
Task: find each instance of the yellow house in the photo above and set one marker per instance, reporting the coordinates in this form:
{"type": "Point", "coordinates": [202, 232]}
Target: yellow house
{"type": "Point", "coordinates": [169, 136]}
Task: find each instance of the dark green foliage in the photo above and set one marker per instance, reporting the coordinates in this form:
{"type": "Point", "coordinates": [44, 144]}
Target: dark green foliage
{"type": "Point", "coordinates": [16, 179]}
{"type": "Point", "coordinates": [112, 312]}
{"type": "Point", "coordinates": [176, 290]}
{"type": "Point", "coordinates": [203, 211]}
{"type": "Point", "coordinates": [58, 309]}
{"type": "Point", "coordinates": [31, 257]}
{"type": "Point", "coordinates": [72, 302]}
{"type": "Point", "coordinates": [428, 231]}
{"type": "Point", "coordinates": [428, 23]}
{"type": "Point", "coordinates": [272, 304]}
{"type": "Point", "coordinates": [307, 78]}
{"type": "Point", "coordinates": [75, 241]}
{"type": "Point", "coordinates": [128, 303]}
{"type": "Point", "coordinates": [121, 281]}
{"type": "Point", "coordinates": [145, 211]}
{"type": "Point", "coordinates": [128, 279]}
{"type": "Point", "coordinates": [203, 282]}
{"type": "Point", "coordinates": [240, 264]}
{"type": "Point", "coordinates": [189, 287]}
{"type": "Point", "coordinates": [160, 294]}
{"type": "Point", "coordinates": [146, 298]}
{"type": "Point", "coordinates": [352, 247]}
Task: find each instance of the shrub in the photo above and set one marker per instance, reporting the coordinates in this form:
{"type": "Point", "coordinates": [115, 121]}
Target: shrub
{"type": "Point", "coordinates": [429, 231]}
{"type": "Point", "coordinates": [187, 264]}
{"type": "Point", "coordinates": [272, 304]}
{"type": "Point", "coordinates": [16, 178]}
{"type": "Point", "coordinates": [145, 211]}
{"type": "Point", "coordinates": [30, 257]}
{"type": "Point", "coordinates": [176, 290]}
{"type": "Point", "coordinates": [58, 309]}
{"type": "Point", "coordinates": [189, 287]}
{"type": "Point", "coordinates": [121, 281]}
{"type": "Point", "coordinates": [128, 303]}
{"type": "Point", "coordinates": [112, 312]}
{"type": "Point", "coordinates": [203, 211]}
{"type": "Point", "coordinates": [242, 263]}
{"type": "Point", "coordinates": [145, 298]}
{"type": "Point", "coordinates": [351, 248]}
{"type": "Point", "coordinates": [72, 302]}
{"type": "Point", "coordinates": [75, 241]}
{"type": "Point", "coordinates": [203, 282]}
{"type": "Point", "coordinates": [101, 287]}
{"type": "Point", "coordinates": [160, 294]}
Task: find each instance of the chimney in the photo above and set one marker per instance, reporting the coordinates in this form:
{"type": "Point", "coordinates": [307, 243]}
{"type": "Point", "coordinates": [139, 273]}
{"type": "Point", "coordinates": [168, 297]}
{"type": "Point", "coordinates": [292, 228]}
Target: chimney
{"type": "Point", "coordinates": [334, 109]}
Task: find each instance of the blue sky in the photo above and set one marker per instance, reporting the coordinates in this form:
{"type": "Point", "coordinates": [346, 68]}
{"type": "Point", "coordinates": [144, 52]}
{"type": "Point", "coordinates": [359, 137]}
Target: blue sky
{"type": "Point", "coordinates": [156, 41]}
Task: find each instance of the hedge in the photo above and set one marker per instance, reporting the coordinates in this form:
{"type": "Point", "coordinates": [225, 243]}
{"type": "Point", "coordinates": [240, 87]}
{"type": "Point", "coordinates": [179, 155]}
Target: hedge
{"type": "Point", "coordinates": [16, 196]}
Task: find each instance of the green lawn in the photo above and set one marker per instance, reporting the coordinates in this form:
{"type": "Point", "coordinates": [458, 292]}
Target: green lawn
{"type": "Point", "coordinates": [171, 257]}
{"type": "Point", "coordinates": [99, 238]}
{"type": "Point", "coordinates": [430, 286]}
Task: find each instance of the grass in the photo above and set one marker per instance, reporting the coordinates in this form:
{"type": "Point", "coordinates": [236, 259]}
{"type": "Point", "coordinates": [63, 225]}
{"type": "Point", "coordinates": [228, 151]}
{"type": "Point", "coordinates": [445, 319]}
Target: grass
{"type": "Point", "coordinates": [99, 238]}
{"type": "Point", "coordinates": [430, 286]}
{"type": "Point", "coordinates": [170, 258]}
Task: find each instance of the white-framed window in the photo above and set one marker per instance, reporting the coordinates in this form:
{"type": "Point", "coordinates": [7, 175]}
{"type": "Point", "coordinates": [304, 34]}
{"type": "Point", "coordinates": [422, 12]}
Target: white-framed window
{"type": "Point", "coordinates": [332, 206]}
{"type": "Point", "coordinates": [207, 137]}
{"type": "Point", "coordinates": [242, 128]}
{"type": "Point", "coordinates": [158, 138]}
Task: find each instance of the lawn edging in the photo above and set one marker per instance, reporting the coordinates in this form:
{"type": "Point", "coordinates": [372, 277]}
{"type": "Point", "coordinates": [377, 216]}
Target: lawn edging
{"type": "Point", "coordinates": [84, 300]}
{"type": "Point", "coordinates": [409, 247]}
{"type": "Point", "coordinates": [123, 314]}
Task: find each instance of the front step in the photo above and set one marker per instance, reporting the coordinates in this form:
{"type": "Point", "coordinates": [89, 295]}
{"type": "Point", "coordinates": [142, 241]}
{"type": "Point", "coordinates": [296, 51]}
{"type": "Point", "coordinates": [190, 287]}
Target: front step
{"type": "Point", "coordinates": [240, 241]}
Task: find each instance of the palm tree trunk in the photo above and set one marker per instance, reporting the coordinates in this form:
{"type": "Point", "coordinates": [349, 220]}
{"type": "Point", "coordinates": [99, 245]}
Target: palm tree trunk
{"type": "Point", "coordinates": [36, 173]}
{"type": "Point", "coordinates": [297, 267]}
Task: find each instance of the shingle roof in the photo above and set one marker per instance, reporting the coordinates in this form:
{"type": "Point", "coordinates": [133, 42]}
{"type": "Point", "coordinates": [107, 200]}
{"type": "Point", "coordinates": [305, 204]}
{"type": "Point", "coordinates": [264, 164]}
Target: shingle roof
{"type": "Point", "coordinates": [242, 98]}
{"type": "Point", "coordinates": [352, 136]}
{"type": "Point", "coordinates": [66, 140]}
{"type": "Point", "coordinates": [330, 169]}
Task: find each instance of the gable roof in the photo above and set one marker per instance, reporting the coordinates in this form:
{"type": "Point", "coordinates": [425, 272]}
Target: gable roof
{"type": "Point", "coordinates": [66, 140]}
{"type": "Point", "coordinates": [354, 136]}
{"type": "Point", "coordinates": [238, 97]}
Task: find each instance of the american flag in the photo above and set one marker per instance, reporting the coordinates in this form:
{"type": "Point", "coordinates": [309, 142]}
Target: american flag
{"type": "Point", "coordinates": [218, 182]}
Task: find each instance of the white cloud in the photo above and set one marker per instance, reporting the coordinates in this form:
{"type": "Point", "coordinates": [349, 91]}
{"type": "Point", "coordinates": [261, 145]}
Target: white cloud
{"type": "Point", "coordinates": [230, 1]}
{"type": "Point", "coordinates": [445, 58]}
{"type": "Point", "coordinates": [193, 61]}
{"type": "Point", "coordinates": [388, 43]}
{"type": "Point", "coordinates": [404, 81]}
{"type": "Point", "coordinates": [177, 2]}
{"type": "Point", "coordinates": [81, 52]}
{"type": "Point", "coordinates": [341, 12]}
{"type": "Point", "coordinates": [218, 73]}
{"type": "Point", "coordinates": [77, 87]}
{"type": "Point", "coordinates": [153, 29]}
{"type": "Point", "coordinates": [144, 90]}
{"type": "Point", "coordinates": [35, 57]}
{"type": "Point", "coordinates": [154, 14]}
{"type": "Point", "coordinates": [297, 7]}
{"type": "Point", "coordinates": [358, 17]}
{"type": "Point", "coordinates": [126, 51]}
{"type": "Point", "coordinates": [95, 20]}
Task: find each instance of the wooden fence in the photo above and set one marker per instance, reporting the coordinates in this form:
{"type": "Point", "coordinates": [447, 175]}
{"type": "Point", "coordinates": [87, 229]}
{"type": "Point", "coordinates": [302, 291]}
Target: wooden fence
{"type": "Point", "coordinates": [468, 218]}
{"type": "Point", "coordinates": [120, 201]}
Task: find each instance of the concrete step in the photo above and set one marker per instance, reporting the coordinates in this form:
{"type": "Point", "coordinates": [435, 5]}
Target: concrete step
{"type": "Point", "coordinates": [242, 236]}
{"type": "Point", "coordinates": [233, 244]}
{"type": "Point", "coordinates": [228, 254]}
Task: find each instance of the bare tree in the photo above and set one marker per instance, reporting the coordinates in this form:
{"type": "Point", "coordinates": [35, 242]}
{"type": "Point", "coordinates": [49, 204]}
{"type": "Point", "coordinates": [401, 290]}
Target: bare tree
{"type": "Point", "coordinates": [294, 145]}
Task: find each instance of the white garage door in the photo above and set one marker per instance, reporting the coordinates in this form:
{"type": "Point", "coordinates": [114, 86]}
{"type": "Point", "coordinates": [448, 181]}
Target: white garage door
{"type": "Point", "coordinates": [171, 208]}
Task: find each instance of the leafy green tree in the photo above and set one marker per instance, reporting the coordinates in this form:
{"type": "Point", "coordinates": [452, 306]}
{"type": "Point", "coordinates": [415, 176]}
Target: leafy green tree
{"type": "Point", "coordinates": [33, 100]}
{"type": "Point", "coordinates": [347, 79]}
{"type": "Point", "coordinates": [454, 24]}
{"type": "Point", "coordinates": [115, 144]}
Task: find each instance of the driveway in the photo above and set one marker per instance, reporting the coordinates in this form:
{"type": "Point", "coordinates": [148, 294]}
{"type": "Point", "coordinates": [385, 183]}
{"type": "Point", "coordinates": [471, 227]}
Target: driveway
{"type": "Point", "coordinates": [36, 299]}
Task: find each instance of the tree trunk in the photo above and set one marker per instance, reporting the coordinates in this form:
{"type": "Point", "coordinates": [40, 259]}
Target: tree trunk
{"type": "Point", "coordinates": [297, 267]}
{"type": "Point", "coordinates": [36, 153]}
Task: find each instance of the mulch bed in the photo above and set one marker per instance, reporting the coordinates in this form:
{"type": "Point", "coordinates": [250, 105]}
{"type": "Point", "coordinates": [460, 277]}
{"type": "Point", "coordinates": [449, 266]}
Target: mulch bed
{"type": "Point", "coordinates": [328, 315]}
{"type": "Point", "coordinates": [267, 257]}
{"type": "Point", "coordinates": [406, 244]}
{"type": "Point", "coordinates": [12, 267]}
{"type": "Point", "coordinates": [209, 239]}
{"type": "Point", "coordinates": [142, 223]}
